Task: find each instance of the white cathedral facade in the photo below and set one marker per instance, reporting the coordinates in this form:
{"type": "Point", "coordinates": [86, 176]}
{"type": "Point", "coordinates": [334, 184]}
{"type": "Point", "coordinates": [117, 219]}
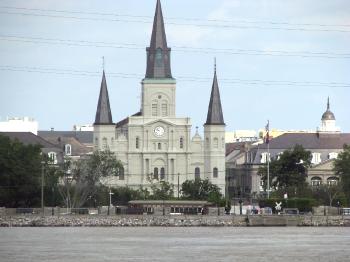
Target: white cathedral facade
{"type": "Point", "coordinates": [155, 144]}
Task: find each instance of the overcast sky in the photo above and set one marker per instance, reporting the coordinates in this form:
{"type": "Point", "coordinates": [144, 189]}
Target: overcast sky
{"type": "Point", "coordinates": [276, 60]}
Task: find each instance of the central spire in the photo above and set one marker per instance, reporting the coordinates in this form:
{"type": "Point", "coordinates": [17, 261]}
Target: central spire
{"type": "Point", "coordinates": [158, 53]}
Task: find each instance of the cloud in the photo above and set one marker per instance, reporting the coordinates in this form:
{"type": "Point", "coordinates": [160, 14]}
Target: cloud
{"type": "Point", "coordinates": [188, 35]}
{"type": "Point", "coordinates": [223, 12]}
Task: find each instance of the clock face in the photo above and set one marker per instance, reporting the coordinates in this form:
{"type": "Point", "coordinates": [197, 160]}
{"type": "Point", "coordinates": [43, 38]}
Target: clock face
{"type": "Point", "coordinates": [159, 131]}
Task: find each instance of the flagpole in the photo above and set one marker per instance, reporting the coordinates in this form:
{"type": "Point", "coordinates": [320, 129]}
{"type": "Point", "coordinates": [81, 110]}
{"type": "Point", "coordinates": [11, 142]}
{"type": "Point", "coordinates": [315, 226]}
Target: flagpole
{"type": "Point", "coordinates": [268, 159]}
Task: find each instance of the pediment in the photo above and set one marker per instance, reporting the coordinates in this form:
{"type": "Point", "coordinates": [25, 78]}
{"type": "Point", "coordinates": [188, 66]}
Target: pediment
{"type": "Point", "coordinates": [328, 164]}
{"type": "Point", "coordinates": [159, 121]}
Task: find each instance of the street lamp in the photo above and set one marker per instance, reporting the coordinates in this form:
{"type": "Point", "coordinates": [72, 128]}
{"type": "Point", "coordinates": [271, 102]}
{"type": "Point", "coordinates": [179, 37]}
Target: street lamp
{"type": "Point", "coordinates": [110, 196]}
{"type": "Point", "coordinates": [68, 180]}
{"type": "Point", "coordinates": [285, 196]}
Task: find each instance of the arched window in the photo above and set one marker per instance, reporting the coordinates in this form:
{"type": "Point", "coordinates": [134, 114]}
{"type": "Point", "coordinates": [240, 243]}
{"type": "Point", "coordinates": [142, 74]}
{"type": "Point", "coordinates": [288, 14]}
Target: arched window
{"type": "Point", "coordinates": [96, 141]}
{"type": "Point", "coordinates": [197, 173]}
{"type": "Point", "coordinates": [159, 146]}
{"type": "Point", "coordinates": [137, 143]}
{"type": "Point", "coordinates": [121, 173]}
{"type": "Point", "coordinates": [216, 142]}
{"type": "Point", "coordinates": [104, 143]}
{"type": "Point", "coordinates": [207, 142]}
{"type": "Point", "coordinates": [332, 181]}
{"type": "Point", "coordinates": [155, 174]}
{"type": "Point", "coordinates": [159, 57]}
{"type": "Point", "coordinates": [68, 149]}
{"type": "Point", "coordinates": [316, 181]}
{"type": "Point", "coordinates": [162, 173]}
{"type": "Point", "coordinates": [215, 172]}
{"type": "Point", "coordinates": [223, 142]}
{"type": "Point", "coordinates": [181, 142]}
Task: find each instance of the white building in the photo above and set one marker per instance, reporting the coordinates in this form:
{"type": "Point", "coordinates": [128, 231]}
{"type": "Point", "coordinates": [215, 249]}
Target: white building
{"type": "Point", "coordinates": [155, 143]}
{"type": "Point", "coordinates": [241, 136]}
{"type": "Point", "coordinates": [325, 144]}
{"type": "Point", "coordinates": [19, 124]}
{"type": "Point", "coordinates": [83, 128]}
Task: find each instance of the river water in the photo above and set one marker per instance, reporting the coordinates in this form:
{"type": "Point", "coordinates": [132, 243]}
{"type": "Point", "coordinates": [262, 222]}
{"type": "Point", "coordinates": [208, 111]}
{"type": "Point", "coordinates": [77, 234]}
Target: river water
{"type": "Point", "coordinates": [175, 244]}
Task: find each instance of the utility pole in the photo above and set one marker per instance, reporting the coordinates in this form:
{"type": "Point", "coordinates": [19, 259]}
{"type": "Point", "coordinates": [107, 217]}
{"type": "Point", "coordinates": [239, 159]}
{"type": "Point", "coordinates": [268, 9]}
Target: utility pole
{"type": "Point", "coordinates": [42, 188]}
{"type": "Point", "coordinates": [268, 171]}
{"type": "Point", "coordinates": [268, 157]}
{"type": "Point", "coordinates": [178, 185]}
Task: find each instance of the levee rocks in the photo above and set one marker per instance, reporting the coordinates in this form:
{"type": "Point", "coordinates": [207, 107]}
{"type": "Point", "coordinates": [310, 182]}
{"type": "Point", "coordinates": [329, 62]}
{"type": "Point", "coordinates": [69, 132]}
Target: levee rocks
{"type": "Point", "coordinates": [120, 221]}
{"type": "Point", "coordinates": [169, 221]}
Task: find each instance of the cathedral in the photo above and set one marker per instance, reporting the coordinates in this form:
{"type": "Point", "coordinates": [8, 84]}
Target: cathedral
{"type": "Point", "coordinates": [154, 144]}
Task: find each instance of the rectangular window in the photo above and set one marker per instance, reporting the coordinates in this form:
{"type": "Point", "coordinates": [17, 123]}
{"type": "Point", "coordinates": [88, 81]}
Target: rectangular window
{"type": "Point", "coordinates": [154, 109]}
{"type": "Point", "coordinates": [333, 155]}
{"type": "Point", "coordinates": [215, 172]}
{"type": "Point", "coordinates": [264, 157]}
{"type": "Point", "coordinates": [316, 158]}
{"type": "Point", "coordinates": [216, 142]}
{"type": "Point", "coordinates": [52, 158]}
{"type": "Point", "coordinates": [164, 109]}
{"type": "Point", "coordinates": [121, 174]}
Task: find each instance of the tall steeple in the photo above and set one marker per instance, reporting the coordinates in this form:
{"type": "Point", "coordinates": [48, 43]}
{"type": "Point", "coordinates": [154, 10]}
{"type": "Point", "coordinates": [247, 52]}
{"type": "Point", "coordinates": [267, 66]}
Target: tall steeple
{"type": "Point", "coordinates": [215, 116]}
{"type": "Point", "coordinates": [103, 112]}
{"type": "Point", "coordinates": [158, 53]}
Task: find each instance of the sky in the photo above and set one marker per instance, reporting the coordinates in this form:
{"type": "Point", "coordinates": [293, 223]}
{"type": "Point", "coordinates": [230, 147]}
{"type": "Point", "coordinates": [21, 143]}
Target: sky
{"type": "Point", "coordinates": [276, 60]}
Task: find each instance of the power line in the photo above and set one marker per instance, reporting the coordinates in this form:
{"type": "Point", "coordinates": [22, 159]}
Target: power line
{"type": "Point", "coordinates": [178, 18]}
{"type": "Point", "coordinates": [206, 50]}
{"type": "Point", "coordinates": [181, 78]}
{"type": "Point", "coordinates": [221, 26]}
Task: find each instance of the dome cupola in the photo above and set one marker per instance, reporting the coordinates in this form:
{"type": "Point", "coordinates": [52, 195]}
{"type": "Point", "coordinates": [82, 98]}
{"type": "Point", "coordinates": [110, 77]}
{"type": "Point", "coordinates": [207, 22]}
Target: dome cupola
{"type": "Point", "coordinates": [328, 115]}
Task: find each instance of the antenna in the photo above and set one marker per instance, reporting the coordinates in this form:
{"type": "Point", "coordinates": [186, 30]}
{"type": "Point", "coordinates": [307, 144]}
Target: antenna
{"type": "Point", "coordinates": [328, 107]}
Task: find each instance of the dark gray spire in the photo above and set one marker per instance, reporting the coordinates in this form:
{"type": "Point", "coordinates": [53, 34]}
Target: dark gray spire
{"type": "Point", "coordinates": [103, 112]}
{"type": "Point", "coordinates": [215, 116]}
{"type": "Point", "coordinates": [328, 115]}
{"type": "Point", "coordinates": [158, 53]}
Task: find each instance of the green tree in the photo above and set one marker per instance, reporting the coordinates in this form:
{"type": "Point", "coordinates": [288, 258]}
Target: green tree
{"type": "Point", "coordinates": [20, 173]}
{"type": "Point", "coordinates": [288, 173]}
{"type": "Point", "coordinates": [162, 190]}
{"type": "Point", "coordinates": [199, 189]}
{"type": "Point", "coordinates": [52, 196]}
{"type": "Point", "coordinates": [342, 169]}
{"type": "Point", "coordinates": [81, 179]}
{"type": "Point", "coordinates": [328, 194]}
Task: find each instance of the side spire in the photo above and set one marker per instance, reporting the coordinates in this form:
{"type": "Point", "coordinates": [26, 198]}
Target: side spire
{"type": "Point", "coordinates": [158, 53]}
{"type": "Point", "coordinates": [215, 116]}
{"type": "Point", "coordinates": [103, 112]}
